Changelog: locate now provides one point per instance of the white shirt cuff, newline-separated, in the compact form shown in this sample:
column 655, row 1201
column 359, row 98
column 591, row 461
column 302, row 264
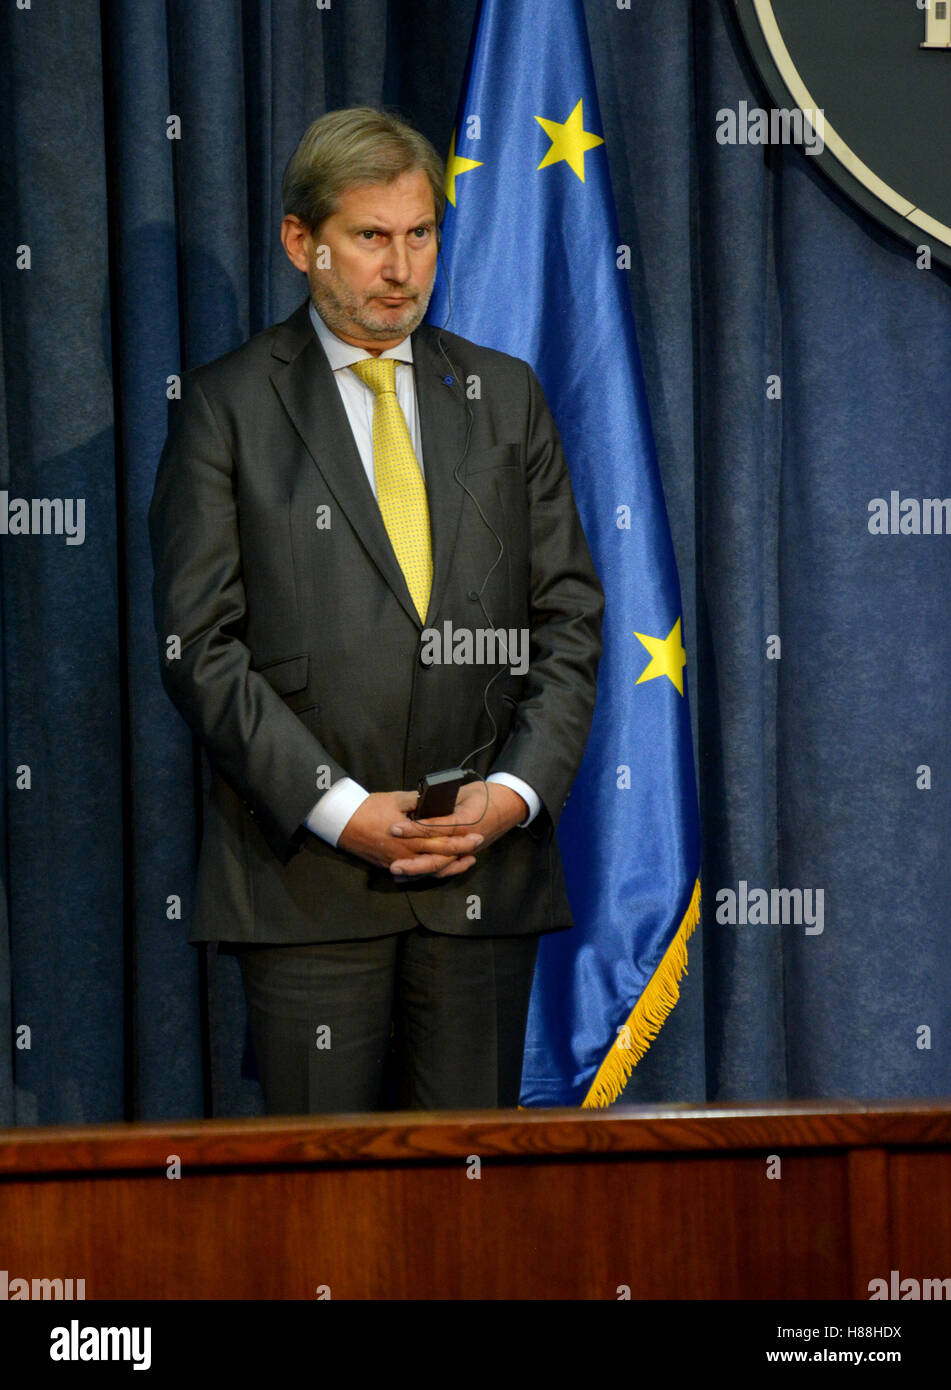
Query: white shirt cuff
column 532, row 799
column 334, row 809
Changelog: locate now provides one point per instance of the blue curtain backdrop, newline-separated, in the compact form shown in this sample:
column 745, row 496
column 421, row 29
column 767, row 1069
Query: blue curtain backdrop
column 127, row 257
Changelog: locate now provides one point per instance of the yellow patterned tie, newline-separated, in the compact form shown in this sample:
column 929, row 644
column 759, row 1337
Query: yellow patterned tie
column 400, row 489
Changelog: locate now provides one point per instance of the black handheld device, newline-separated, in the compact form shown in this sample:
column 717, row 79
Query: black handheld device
column 437, row 793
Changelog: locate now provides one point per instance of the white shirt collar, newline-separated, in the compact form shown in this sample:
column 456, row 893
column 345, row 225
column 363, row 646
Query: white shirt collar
column 341, row 354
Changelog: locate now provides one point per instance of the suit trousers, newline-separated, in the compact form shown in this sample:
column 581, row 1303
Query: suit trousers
column 417, row 1020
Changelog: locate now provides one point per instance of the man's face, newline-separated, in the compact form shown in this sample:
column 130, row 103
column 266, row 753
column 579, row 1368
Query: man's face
column 382, row 252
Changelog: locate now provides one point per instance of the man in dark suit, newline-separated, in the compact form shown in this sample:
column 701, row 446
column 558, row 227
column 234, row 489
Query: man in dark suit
column 350, row 510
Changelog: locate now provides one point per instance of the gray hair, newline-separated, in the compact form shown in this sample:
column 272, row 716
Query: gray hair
column 354, row 146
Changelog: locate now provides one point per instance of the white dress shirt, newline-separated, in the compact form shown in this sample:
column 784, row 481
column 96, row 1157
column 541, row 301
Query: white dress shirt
column 338, row 803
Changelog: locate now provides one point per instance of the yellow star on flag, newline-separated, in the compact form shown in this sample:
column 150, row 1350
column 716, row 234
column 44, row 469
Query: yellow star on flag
column 668, row 657
column 569, row 141
column 456, row 164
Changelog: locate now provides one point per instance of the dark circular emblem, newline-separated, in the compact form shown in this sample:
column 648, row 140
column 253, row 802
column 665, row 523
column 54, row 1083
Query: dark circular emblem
column 872, row 79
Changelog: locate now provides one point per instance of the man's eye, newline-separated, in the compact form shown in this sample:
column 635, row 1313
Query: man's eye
column 368, row 235
column 421, row 232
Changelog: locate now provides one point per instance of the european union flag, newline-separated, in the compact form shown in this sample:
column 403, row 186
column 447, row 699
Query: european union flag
column 531, row 245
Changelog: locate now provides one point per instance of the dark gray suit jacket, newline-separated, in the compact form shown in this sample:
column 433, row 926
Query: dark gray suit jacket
column 300, row 647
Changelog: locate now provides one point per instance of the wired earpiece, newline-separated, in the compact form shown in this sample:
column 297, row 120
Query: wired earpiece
column 454, row 378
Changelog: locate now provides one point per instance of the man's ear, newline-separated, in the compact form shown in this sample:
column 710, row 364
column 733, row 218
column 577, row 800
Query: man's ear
column 296, row 239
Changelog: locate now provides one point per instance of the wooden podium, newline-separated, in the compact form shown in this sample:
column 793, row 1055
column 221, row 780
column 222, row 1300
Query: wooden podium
column 780, row 1201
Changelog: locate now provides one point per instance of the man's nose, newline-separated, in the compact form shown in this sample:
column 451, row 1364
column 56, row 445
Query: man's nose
column 396, row 264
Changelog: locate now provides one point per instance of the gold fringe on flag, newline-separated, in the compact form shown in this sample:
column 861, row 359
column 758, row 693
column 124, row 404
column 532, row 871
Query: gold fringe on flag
column 647, row 1016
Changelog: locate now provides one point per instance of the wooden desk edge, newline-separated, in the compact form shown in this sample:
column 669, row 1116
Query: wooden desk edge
column 420, row 1136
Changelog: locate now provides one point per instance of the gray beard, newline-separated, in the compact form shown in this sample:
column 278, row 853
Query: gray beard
column 342, row 313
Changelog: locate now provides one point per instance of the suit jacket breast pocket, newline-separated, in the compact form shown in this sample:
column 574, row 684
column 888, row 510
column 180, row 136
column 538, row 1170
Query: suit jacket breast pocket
column 498, row 517
column 499, row 456
column 495, row 478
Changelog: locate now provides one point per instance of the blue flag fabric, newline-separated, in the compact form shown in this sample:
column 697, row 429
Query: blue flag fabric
column 536, row 269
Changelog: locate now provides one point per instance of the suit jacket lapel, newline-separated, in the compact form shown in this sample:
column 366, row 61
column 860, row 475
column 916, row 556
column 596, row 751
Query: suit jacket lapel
column 305, row 383
column 442, row 427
